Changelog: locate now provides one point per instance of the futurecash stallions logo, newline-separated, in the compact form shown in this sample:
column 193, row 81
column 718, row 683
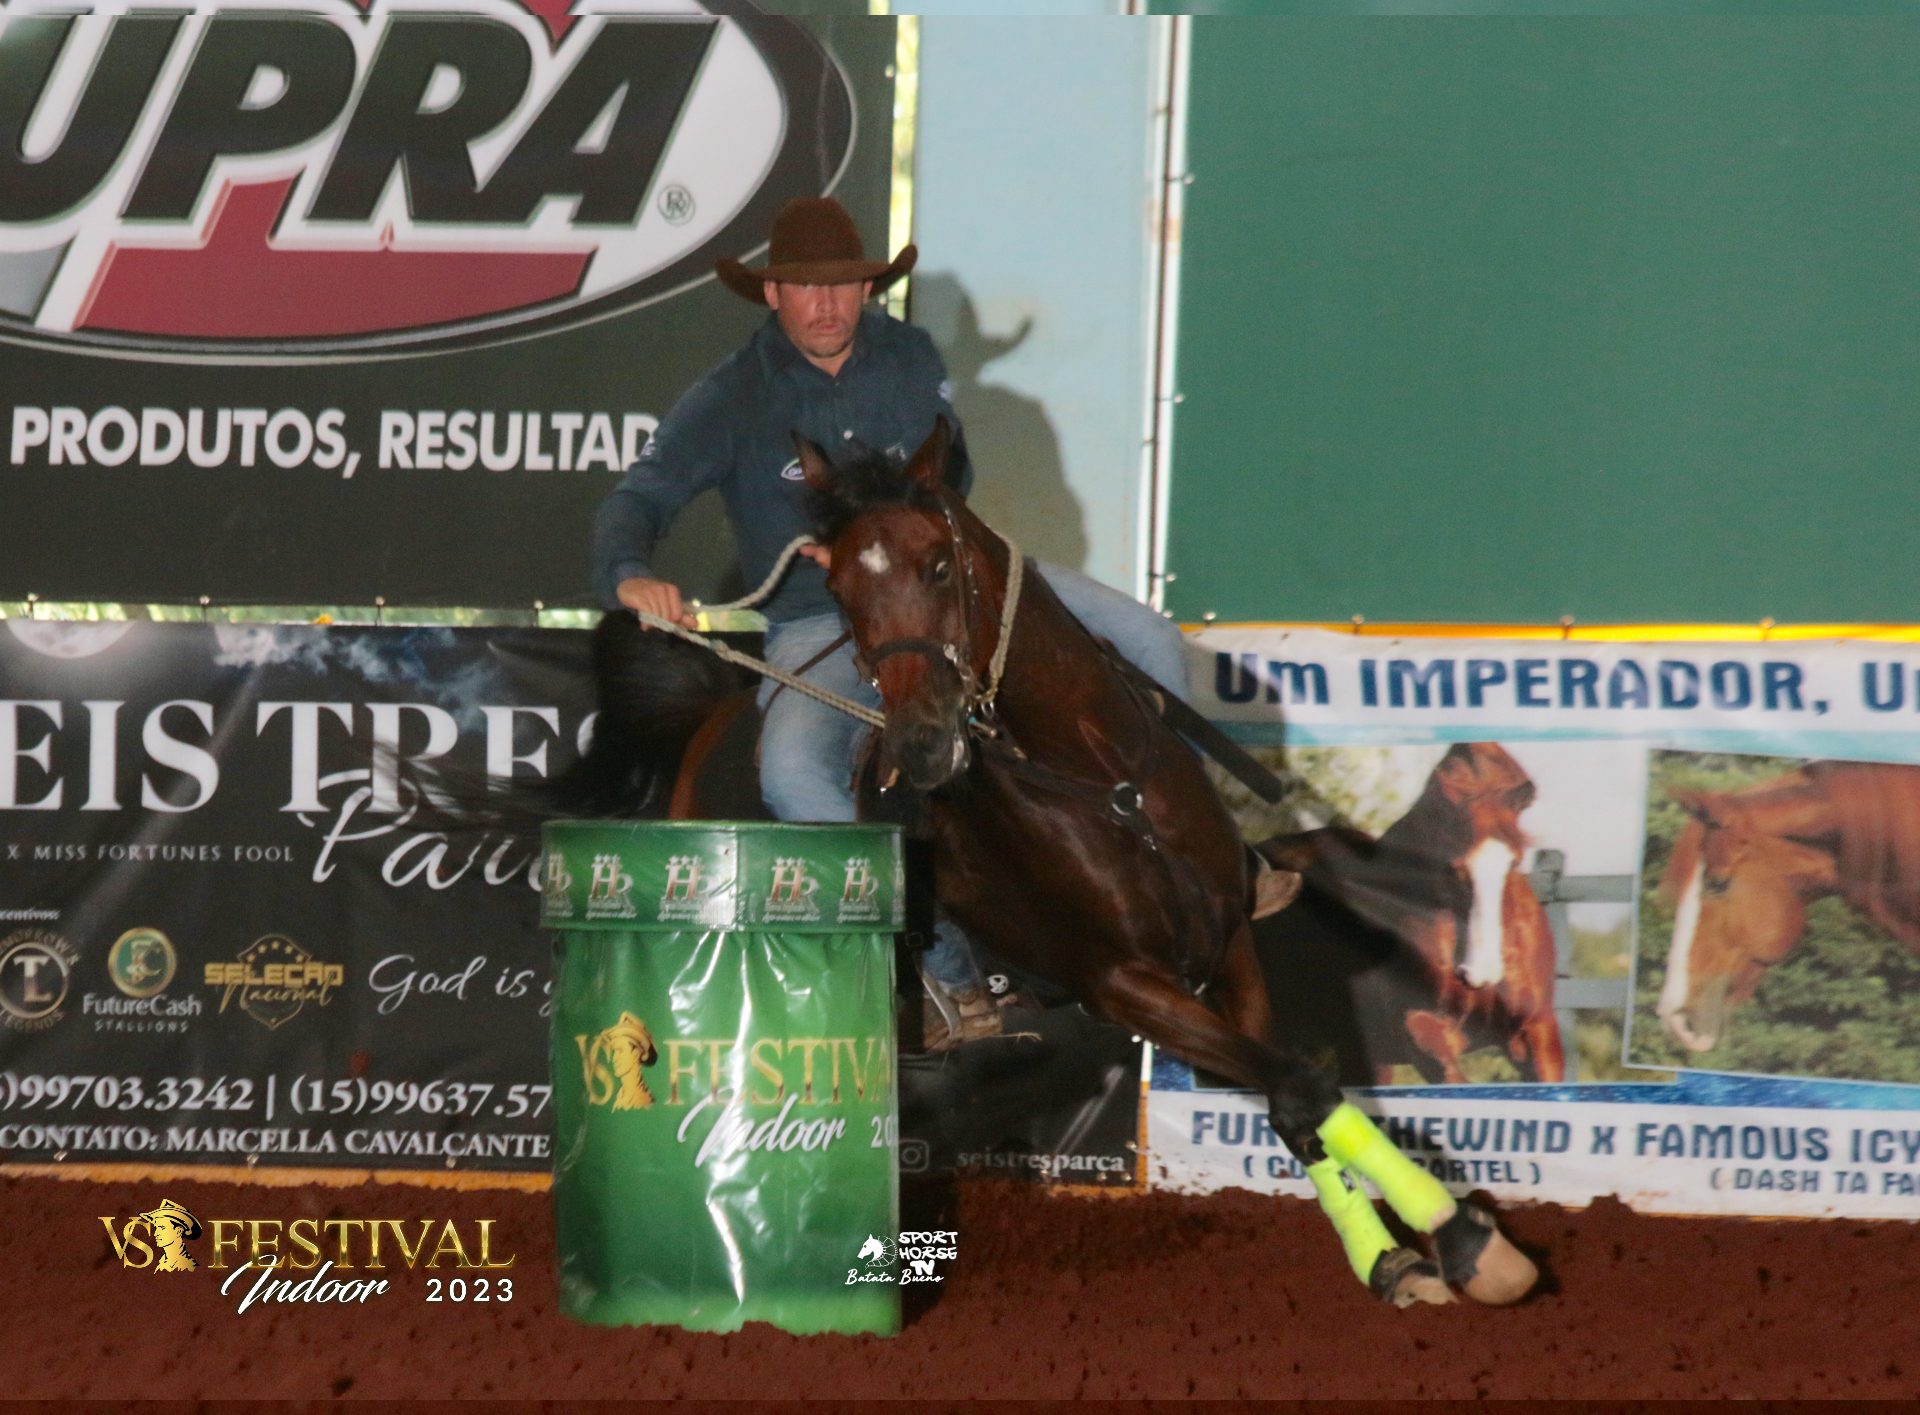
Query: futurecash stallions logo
column 300, row 180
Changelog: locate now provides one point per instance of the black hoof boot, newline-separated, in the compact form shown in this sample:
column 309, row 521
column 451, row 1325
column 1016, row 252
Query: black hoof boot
column 1477, row 1258
column 1403, row 1277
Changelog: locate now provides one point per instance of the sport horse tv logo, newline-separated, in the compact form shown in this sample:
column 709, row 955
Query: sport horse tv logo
column 296, row 180
column 915, row 1257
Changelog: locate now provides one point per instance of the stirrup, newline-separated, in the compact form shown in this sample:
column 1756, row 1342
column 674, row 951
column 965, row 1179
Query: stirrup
column 958, row 1017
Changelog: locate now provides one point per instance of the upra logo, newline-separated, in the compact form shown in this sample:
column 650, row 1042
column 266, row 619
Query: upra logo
column 301, row 180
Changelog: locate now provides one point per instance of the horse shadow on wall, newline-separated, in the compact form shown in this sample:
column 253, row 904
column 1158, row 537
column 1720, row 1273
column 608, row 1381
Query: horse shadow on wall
column 1020, row 484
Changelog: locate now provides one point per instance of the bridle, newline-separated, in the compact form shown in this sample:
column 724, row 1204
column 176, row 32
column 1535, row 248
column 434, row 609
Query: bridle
column 1121, row 802
column 978, row 691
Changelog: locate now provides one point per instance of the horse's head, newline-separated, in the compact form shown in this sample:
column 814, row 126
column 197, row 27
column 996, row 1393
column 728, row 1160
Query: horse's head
column 1739, row 885
column 910, row 572
column 1472, row 808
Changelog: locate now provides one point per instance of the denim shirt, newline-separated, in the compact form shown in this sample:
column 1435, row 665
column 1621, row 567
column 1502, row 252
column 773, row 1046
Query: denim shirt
column 734, row 430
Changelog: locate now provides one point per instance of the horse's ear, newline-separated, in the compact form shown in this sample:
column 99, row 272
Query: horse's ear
column 928, row 465
column 813, row 463
column 1698, row 804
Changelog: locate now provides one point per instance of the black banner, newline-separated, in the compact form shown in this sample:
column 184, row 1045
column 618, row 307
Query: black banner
column 229, row 935
column 220, row 937
column 313, row 308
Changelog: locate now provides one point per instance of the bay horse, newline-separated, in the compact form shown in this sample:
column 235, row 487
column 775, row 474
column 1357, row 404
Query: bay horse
column 1748, row 863
column 1474, row 955
column 1077, row 837
column 1075, row 834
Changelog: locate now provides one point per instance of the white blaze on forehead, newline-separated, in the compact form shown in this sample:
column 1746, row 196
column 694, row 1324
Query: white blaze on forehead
column 1488, row 866
column 874, row 557
column 1686, row 923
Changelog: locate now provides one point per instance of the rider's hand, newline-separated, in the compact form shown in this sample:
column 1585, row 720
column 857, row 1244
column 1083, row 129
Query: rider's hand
column 660, row 598
column 819, row 554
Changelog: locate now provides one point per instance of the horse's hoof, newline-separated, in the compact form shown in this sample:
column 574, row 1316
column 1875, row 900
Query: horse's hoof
column 1476, row 1257
column 1403, row 1277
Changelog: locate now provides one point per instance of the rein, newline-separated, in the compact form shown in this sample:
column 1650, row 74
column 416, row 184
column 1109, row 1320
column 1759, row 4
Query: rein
column 746, row 660
column 1120, row 802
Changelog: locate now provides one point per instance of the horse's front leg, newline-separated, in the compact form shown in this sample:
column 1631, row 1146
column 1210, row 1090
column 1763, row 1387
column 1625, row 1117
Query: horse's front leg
column 1330, row 1137
column 1537, row 1048
column 1443, row 1039
column 1300, row 1099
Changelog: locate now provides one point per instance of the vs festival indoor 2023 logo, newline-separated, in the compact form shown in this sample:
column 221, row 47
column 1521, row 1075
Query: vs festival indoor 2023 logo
column 333, row 1260
column 310, row 180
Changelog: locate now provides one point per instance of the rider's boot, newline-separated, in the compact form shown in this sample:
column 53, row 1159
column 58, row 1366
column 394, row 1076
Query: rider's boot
column 956, row 1015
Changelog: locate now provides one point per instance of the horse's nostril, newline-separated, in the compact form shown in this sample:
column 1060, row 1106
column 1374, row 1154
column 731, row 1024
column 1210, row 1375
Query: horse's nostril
column 927, row 739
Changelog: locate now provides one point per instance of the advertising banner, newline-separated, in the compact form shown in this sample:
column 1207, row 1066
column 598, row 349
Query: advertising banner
column 222, row 938
column 1586, row 917
column 229, row 934
column 308, row 302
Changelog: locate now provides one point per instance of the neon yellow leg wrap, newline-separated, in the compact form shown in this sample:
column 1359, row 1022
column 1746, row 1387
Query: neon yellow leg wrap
column 1361, row 1233
column 1357, row 1144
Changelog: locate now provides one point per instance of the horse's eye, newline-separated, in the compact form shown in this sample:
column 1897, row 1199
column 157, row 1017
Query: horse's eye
column 1716, row 884
column 940, row 571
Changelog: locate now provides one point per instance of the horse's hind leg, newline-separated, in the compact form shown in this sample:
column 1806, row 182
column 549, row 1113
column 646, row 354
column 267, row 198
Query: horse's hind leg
column 1299, row 1101
column 1240, row 992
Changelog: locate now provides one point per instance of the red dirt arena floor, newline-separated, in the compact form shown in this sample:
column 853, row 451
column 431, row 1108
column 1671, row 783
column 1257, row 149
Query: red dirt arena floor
column 1230, row 1295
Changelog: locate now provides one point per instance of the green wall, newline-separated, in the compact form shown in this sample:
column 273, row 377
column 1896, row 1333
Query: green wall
column 1504, row 319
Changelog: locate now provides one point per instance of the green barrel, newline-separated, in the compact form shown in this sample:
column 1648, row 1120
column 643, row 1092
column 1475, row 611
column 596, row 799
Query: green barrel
column 725, row 1113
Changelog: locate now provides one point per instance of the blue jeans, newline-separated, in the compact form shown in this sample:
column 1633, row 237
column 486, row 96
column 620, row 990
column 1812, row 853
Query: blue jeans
column 807, row 749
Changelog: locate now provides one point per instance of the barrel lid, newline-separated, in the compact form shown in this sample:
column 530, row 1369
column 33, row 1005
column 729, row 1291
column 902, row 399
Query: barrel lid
column 654, row 875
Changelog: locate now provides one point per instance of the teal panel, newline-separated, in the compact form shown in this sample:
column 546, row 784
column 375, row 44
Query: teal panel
column 1504, row 319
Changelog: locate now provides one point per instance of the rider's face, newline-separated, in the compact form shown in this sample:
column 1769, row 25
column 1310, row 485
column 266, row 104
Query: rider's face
column 819, row 319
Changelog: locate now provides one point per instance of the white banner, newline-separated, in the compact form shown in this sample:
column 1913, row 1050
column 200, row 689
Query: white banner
column 1681, row 1159
column 1585, row 918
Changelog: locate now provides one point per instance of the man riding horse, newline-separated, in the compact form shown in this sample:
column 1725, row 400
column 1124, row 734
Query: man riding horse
column 841, row 376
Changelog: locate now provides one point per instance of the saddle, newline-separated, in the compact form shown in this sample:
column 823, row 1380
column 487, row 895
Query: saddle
column 726, row 785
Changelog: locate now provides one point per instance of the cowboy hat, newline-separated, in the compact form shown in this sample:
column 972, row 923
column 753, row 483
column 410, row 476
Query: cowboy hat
column 169, row 1209
column 814, row 243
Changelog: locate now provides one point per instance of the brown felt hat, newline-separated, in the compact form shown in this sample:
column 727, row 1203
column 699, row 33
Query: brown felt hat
column 814, row 243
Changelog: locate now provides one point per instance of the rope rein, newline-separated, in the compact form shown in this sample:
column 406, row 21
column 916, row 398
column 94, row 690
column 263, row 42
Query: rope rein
column 754, row 598
column 1016, row 570
column 746, row 660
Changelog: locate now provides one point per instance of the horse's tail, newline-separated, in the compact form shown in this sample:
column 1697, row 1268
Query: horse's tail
column 655, row 691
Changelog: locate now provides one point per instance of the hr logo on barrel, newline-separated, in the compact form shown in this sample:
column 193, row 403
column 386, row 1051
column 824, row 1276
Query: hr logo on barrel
column 790, row 896
column 858, row 897
column 557, row 887
column 691, row 893
column 610, row 890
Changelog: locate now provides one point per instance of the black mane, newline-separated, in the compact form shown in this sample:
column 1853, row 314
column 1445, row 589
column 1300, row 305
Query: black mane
column 867, row 480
